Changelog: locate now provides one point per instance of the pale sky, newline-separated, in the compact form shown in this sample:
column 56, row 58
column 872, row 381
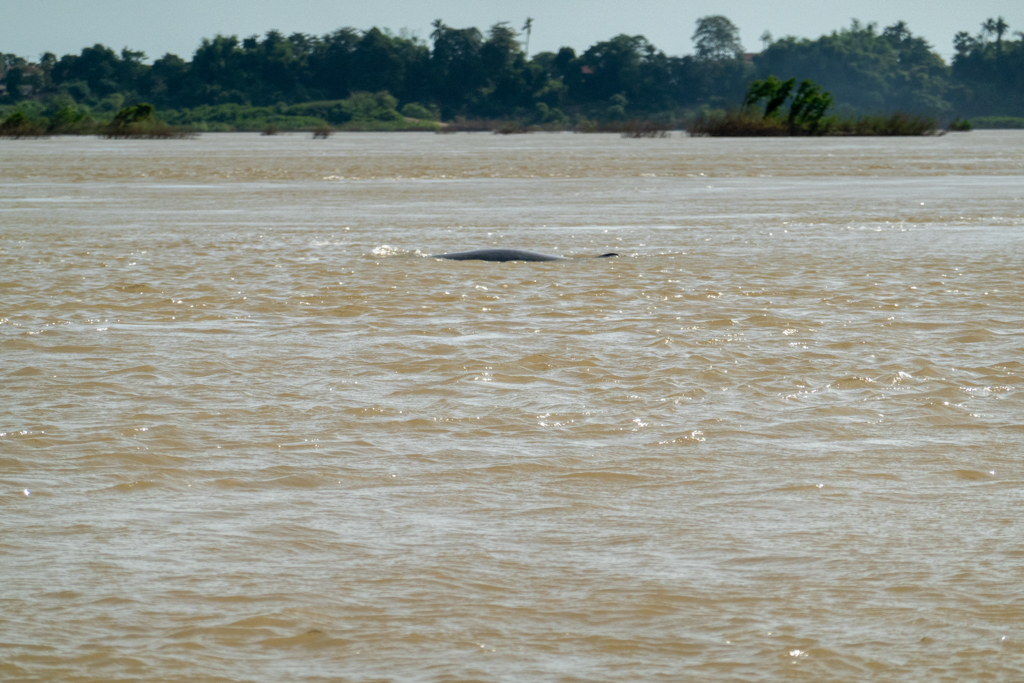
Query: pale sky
column 29, row 28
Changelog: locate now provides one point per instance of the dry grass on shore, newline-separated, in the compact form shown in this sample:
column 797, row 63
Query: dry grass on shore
column 739, row 123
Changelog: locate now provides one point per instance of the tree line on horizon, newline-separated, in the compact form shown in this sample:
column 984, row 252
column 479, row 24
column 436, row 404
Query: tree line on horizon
column 465, row 73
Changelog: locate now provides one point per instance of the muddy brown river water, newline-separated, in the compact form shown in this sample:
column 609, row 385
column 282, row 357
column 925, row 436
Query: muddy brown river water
column 251, row 431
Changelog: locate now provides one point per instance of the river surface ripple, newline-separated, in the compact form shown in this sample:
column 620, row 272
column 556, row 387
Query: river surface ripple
column 251, row 431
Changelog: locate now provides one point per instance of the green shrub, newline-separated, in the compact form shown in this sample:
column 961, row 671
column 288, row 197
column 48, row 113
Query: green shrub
column 365, row 107
column 139, row 121
column 70, row 119
column 111, row 103
column 22, row 125
column 415, row 110
column 333, row 111
column 140, row 113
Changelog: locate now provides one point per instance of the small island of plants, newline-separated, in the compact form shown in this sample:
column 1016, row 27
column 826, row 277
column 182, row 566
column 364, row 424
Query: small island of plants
column 359, row 112
column 806, row 115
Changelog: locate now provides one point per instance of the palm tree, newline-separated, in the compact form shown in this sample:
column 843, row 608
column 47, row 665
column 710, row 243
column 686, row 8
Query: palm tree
column 996, row 27
column 528, row 26
column 1001, row 28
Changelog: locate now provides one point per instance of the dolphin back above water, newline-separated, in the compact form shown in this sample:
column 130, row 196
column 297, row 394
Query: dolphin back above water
column 503, row 255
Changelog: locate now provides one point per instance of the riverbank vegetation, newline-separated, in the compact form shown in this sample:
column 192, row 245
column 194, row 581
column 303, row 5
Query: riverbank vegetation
column 361, row 112
column 1012, row 122
column 377, row 80
column 137, row 121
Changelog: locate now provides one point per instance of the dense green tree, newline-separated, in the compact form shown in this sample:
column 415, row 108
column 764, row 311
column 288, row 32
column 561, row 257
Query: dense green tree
column 988, row 77
column 612, row 67
column 717, row 38
column 457, row 71
column 97, row 66
column 166, row 79
column 716, row 74
column 629, row 66
column 275, row 68
column 218, row 74
column 8, row 61
column 417, row 85
column 330, row 63
column 130, row 71
column 920, row 78
column 508, row 82
column 551, row 69
column 864, row 69
column 377, row 63
column 12, row 82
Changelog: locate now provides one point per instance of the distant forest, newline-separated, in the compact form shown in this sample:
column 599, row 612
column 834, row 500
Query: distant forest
column 463, row 73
